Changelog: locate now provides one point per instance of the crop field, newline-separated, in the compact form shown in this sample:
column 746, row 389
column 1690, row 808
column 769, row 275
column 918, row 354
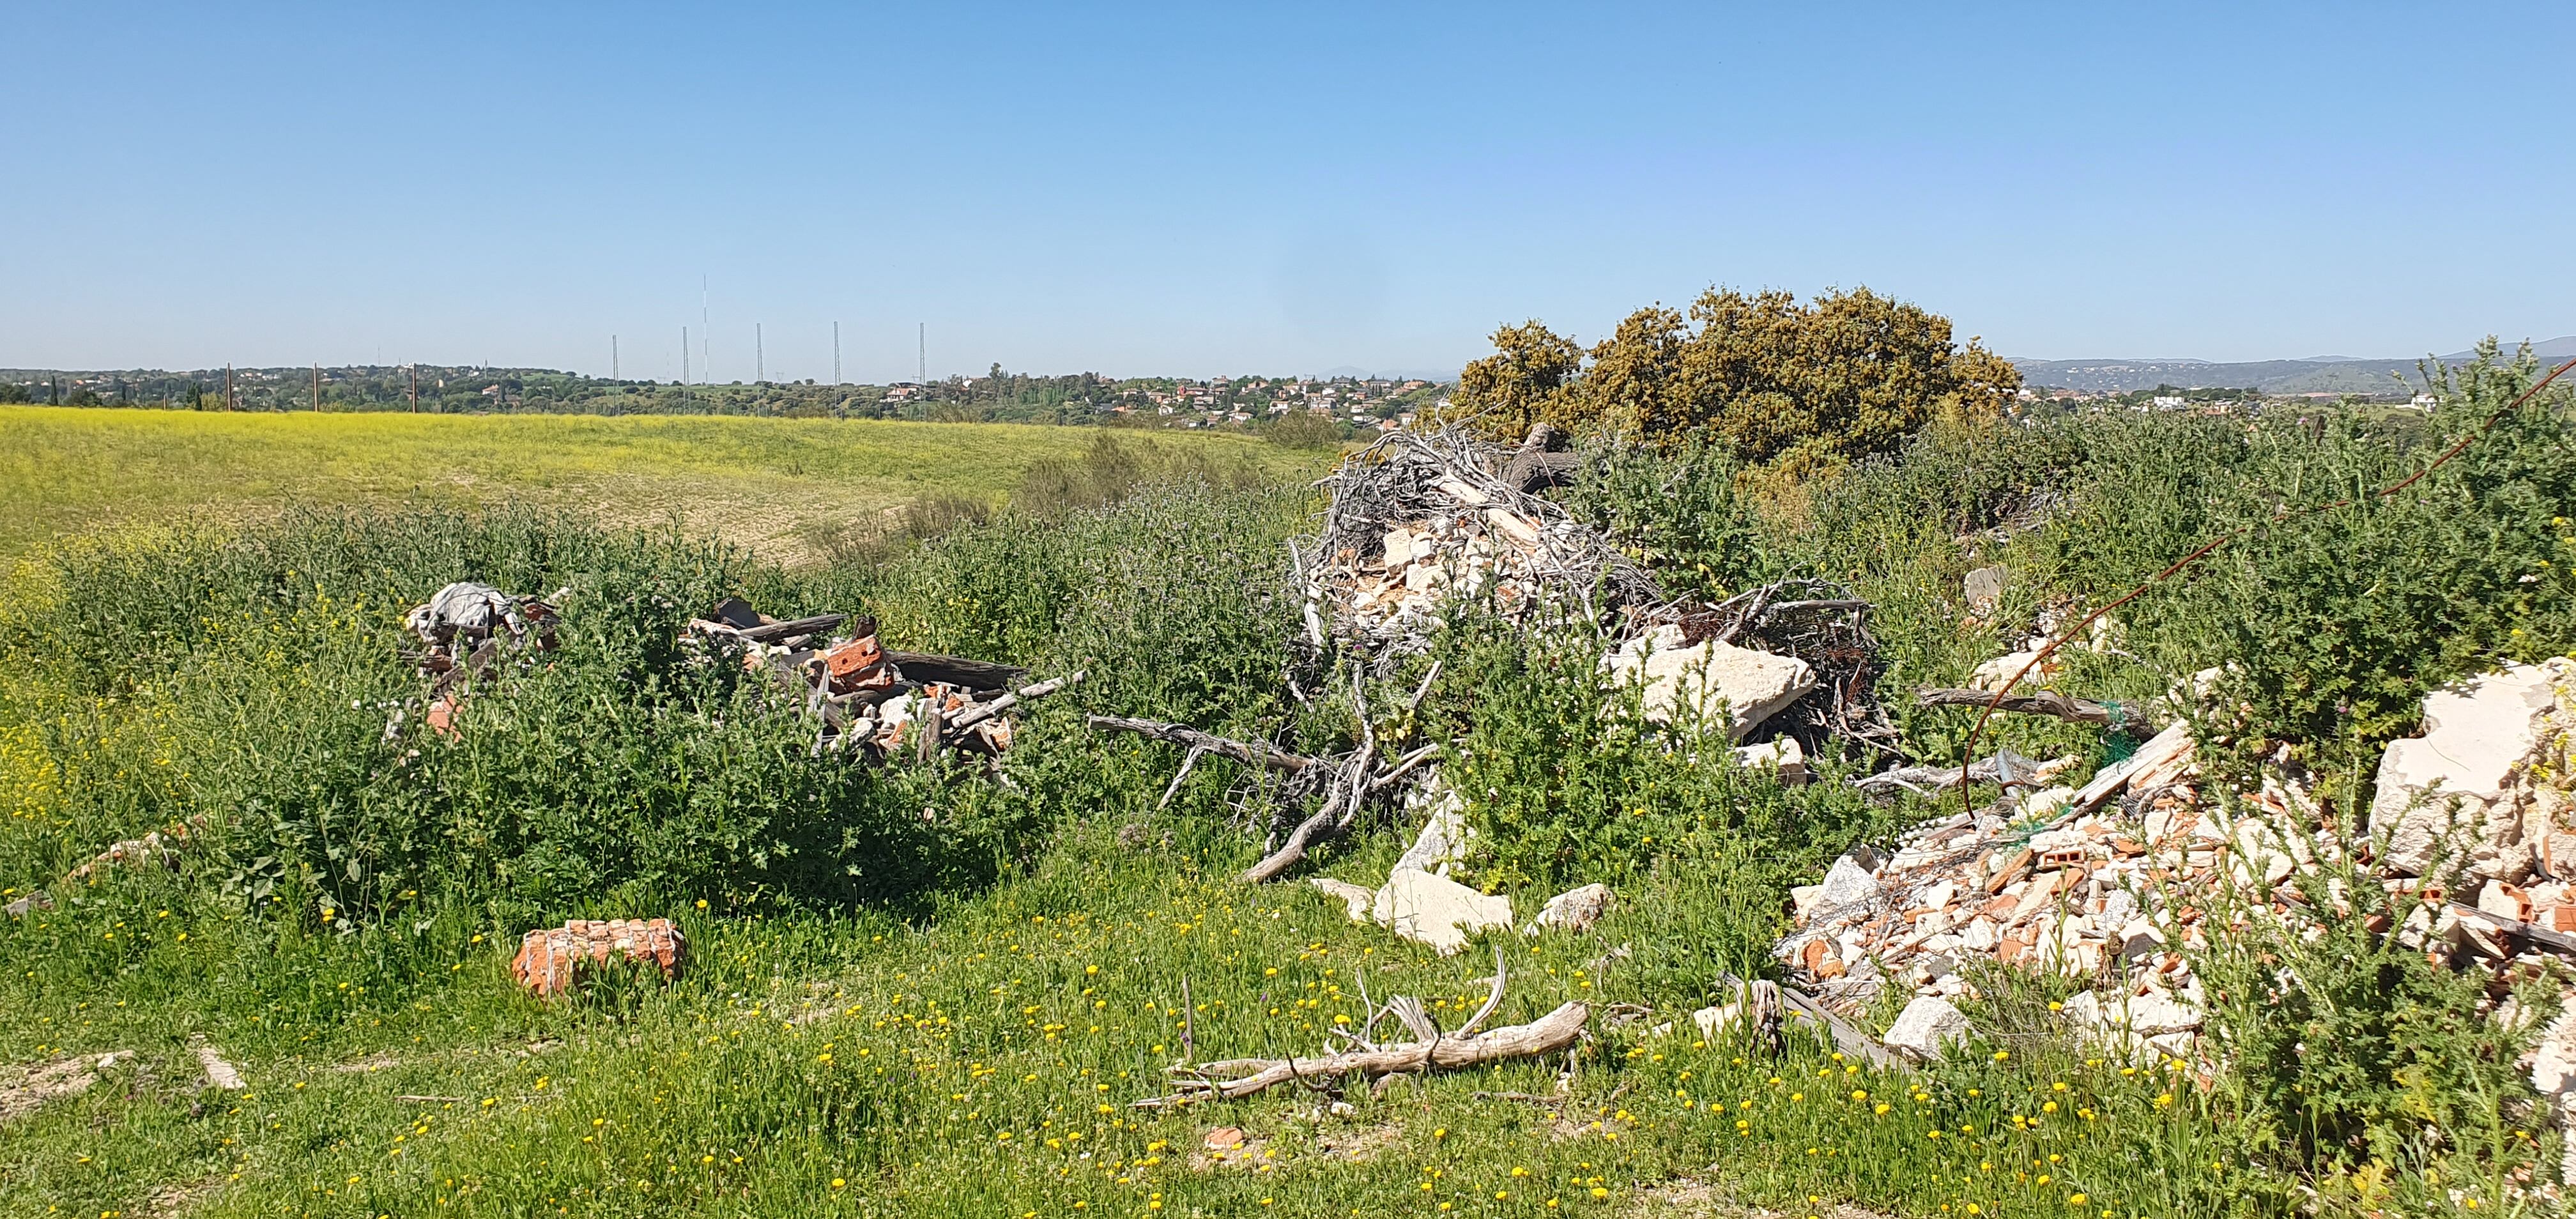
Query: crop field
column 942, row 987
column 773, row 485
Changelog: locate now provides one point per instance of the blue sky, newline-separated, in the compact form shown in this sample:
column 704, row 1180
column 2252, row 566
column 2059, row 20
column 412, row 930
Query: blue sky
column 1212, row 188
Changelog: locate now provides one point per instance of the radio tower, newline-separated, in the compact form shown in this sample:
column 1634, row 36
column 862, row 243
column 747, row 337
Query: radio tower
column 836, row 353
column 759, row 357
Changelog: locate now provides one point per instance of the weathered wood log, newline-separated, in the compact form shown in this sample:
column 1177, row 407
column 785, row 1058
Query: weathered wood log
column 1545, row 1035
column 774, row 631
column 1250, row 753
column 2042, row 702
column 958, row 671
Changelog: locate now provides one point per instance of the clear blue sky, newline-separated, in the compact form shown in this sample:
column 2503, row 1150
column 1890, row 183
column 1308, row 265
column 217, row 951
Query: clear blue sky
column 1209, row 188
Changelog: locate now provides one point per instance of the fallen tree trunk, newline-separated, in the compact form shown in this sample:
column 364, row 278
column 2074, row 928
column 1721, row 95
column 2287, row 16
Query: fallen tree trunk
column 1250, row 753
column 1545, row 1035
column 2044, row 702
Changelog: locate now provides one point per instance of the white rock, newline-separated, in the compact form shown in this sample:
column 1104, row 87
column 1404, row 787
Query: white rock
column 1358, row 898
column 1926, row 1026
column 1715, row 1020
column 1436, row 910
column 219, row 1073
column 1938, row 896
column 2085, row 1009
column 2476, row 734
column 2553, row 1061
column 1443, row 841
column 1994, row 673
column 1803, row 898
column 1572, row 910
column 1984, row 587
column 1846, row 883
column 1748, row 685
column 1783, row 756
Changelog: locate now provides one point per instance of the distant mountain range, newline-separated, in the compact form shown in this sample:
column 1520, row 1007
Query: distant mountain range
column 2313, row 375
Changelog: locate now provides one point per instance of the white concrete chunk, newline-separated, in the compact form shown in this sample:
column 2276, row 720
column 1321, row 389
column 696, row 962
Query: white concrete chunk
column 1926, row 1027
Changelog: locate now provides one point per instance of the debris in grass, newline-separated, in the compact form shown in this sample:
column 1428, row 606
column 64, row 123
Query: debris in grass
column 869, row 700
column 550, row 958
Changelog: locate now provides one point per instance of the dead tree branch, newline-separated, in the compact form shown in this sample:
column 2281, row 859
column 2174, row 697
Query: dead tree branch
column 1238, row 1078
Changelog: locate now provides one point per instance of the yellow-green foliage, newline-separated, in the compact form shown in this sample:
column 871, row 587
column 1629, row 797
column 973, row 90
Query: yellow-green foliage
column 770, row 484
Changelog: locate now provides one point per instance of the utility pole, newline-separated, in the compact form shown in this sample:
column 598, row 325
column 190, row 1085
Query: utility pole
column 759, row 357
column 228, row 387
column 923, row 337
column 317, row 387
column 836, row 353
column 415, row 389
column 612, row 357
column 684, row 355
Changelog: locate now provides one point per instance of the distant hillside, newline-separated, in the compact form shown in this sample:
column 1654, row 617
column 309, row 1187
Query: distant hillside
column 2324, row 374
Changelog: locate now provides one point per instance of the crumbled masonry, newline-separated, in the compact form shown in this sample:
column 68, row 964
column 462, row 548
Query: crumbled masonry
column 2111, row 881
column 869, row 701
column 551, row 959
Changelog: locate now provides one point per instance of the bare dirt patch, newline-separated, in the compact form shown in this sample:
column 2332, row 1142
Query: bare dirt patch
column 25, row 1089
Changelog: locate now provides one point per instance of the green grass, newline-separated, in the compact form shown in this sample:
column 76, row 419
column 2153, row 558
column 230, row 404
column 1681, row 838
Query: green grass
column 939, row 991
column 769, row 484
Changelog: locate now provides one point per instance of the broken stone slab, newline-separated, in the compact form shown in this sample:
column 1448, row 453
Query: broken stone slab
column 1847, row 883
column 1443, row 840
column 1784, row 757
column 1984, row 588
column 2477, row 734
column 219, row 1073
column 550, row 957
column 1572, row 910
column 1356, row 898
column 1436, row 910
column 1926, row 1027
column 1992, row 675
column 1712, row 677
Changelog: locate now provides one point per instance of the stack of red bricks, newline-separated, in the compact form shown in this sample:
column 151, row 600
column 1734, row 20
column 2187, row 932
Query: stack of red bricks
column 549, row 958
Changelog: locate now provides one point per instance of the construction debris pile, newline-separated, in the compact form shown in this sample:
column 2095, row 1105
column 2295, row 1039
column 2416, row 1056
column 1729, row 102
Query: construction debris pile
column 868, row 700
column 465, row 630
column 1419, row 517
column 2111, row 881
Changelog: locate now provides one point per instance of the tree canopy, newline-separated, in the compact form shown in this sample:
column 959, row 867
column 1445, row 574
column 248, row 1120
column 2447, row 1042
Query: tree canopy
column 1798, row 386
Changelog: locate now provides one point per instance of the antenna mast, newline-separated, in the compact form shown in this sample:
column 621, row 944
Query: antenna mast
column 759, row 357
column 836, row 354
column 924, row 338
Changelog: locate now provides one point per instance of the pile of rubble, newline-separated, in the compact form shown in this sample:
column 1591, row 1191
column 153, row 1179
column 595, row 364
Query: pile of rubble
column 2114, row 880
column 869, row 700
column 1422, row 516
column 466, row 629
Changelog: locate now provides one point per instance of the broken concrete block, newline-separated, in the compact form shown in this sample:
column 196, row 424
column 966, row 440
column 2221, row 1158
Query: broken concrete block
column 1783, row 756
column 1357, row 898
column 1749, row 686
column 2477, row 732
column 1984, row 588
column 1926, row 1027
column 1437, row 911
column 549, row 958
column 1846, row 884
column 1442, row 842
column 1572, row 910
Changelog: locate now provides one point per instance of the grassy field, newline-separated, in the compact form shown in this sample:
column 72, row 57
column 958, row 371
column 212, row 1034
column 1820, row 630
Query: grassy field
column 939, row 989
column 773, row 485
